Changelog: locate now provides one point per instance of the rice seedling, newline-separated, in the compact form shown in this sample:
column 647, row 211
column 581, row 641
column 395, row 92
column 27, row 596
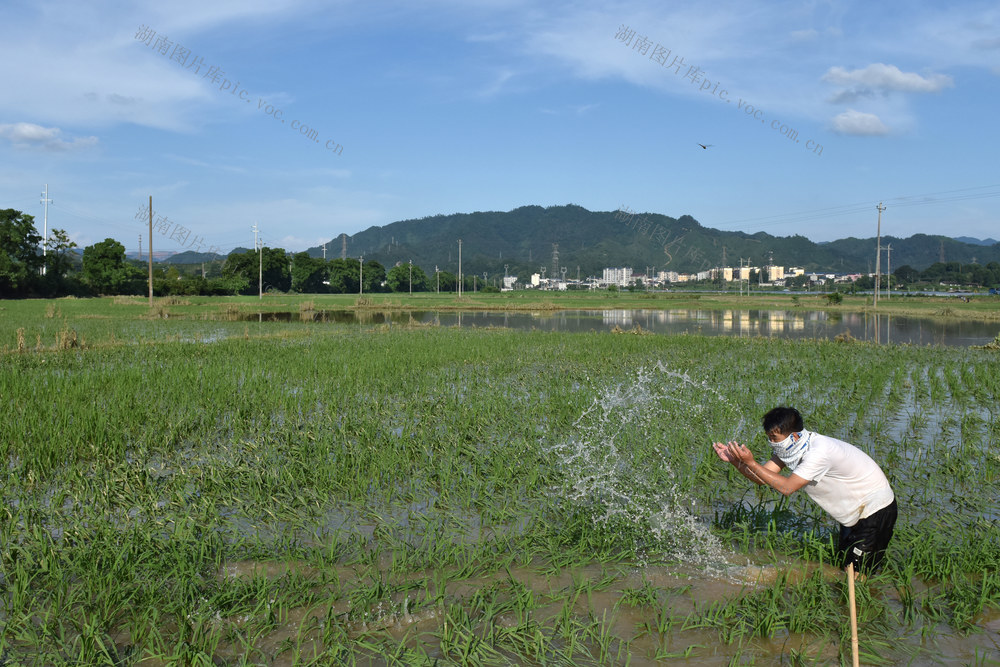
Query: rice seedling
column 210, row 490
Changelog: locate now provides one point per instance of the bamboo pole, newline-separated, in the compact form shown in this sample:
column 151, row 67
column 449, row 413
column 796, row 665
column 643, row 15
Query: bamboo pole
column 854, row 615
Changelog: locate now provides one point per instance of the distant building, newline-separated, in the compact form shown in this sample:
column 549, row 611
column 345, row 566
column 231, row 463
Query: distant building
column 621, row 277
column 668, row 276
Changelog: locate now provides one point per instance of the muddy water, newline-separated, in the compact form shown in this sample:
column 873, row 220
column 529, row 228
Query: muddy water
column 404, row 619
column 793, row 324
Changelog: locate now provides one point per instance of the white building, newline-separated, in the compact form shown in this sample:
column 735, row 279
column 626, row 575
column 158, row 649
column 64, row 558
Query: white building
column 621, row 277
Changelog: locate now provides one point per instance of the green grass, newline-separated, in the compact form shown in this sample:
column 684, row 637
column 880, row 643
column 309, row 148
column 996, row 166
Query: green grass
column 184, row 490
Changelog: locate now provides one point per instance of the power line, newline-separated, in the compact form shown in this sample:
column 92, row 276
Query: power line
column 960, row 194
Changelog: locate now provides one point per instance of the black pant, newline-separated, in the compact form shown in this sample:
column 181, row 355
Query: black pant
column 865, row 542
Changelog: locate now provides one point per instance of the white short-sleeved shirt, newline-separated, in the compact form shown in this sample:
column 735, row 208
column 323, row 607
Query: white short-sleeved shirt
column 843, row 480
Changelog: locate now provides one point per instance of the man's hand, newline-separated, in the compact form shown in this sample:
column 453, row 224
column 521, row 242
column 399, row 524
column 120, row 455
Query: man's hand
column 739, row 453
column 722, row 451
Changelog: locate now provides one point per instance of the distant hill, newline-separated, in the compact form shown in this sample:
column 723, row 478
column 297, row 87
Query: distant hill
column 192, row 257
column 158, row 255
column 588, row 241
column 974, row 241
column 172, row 257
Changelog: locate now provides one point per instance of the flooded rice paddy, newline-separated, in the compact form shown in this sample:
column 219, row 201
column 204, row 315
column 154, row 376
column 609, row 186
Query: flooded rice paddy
column 791, row 324
column 433, row 495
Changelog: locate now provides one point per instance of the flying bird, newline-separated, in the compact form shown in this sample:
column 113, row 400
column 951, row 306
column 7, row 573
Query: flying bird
column 704, row 146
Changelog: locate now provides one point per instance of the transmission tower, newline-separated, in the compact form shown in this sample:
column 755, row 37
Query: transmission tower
column 555, row 259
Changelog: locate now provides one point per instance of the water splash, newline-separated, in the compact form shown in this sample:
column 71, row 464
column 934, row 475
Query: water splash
column 623, row 479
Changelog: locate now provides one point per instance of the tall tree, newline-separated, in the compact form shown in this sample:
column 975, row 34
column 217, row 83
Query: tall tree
column 344, row 275
column 58, row 246
column 247, row 265
column 400, row 279
column 374, row 274
column 105, row 268
column 308, row 273
column 20, row 254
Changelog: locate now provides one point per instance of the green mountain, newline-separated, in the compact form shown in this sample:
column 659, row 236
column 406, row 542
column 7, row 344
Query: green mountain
column 588, row 241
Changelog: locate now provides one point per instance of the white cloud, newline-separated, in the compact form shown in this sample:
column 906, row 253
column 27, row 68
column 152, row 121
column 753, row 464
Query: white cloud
column 879, row 76
column 498, row 83
column 859, row 123
column 31, row 136
column 804, row 35
column 206, row 165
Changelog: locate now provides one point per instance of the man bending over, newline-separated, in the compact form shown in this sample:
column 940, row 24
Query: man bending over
column 838, row 476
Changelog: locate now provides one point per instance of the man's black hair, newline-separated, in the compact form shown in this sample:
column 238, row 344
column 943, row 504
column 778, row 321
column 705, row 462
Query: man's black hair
column 782, row 420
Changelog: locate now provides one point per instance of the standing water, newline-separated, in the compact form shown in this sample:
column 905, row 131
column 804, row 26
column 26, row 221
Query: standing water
column 620, row 463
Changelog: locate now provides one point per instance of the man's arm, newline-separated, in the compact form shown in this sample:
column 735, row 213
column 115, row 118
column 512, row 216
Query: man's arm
column 723, row 451
column 767, row 473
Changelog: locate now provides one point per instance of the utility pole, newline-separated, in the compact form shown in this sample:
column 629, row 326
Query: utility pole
column 878, row 252
column 460, row 268
column 150, row 251
column 411, row 277
column 361, row 275
column 45, row 235
column 140, row 247
column 437, row 278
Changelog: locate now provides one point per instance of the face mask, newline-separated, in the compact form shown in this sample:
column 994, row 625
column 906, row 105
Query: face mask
column 791, row 449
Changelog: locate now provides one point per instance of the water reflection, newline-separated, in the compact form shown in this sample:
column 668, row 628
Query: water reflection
column 794, row 324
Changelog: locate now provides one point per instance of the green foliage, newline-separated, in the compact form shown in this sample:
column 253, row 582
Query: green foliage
column 374, row 275
column 20, row 253
column 107, row 272
column 308, row 273
column 265, row 270
column 406, row 278
column 343, row 275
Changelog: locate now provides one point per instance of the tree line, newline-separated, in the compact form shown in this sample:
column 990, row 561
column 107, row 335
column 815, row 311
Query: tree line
column 31, row 266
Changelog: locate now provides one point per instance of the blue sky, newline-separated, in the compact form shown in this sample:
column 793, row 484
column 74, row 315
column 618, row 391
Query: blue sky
column 444, row 106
